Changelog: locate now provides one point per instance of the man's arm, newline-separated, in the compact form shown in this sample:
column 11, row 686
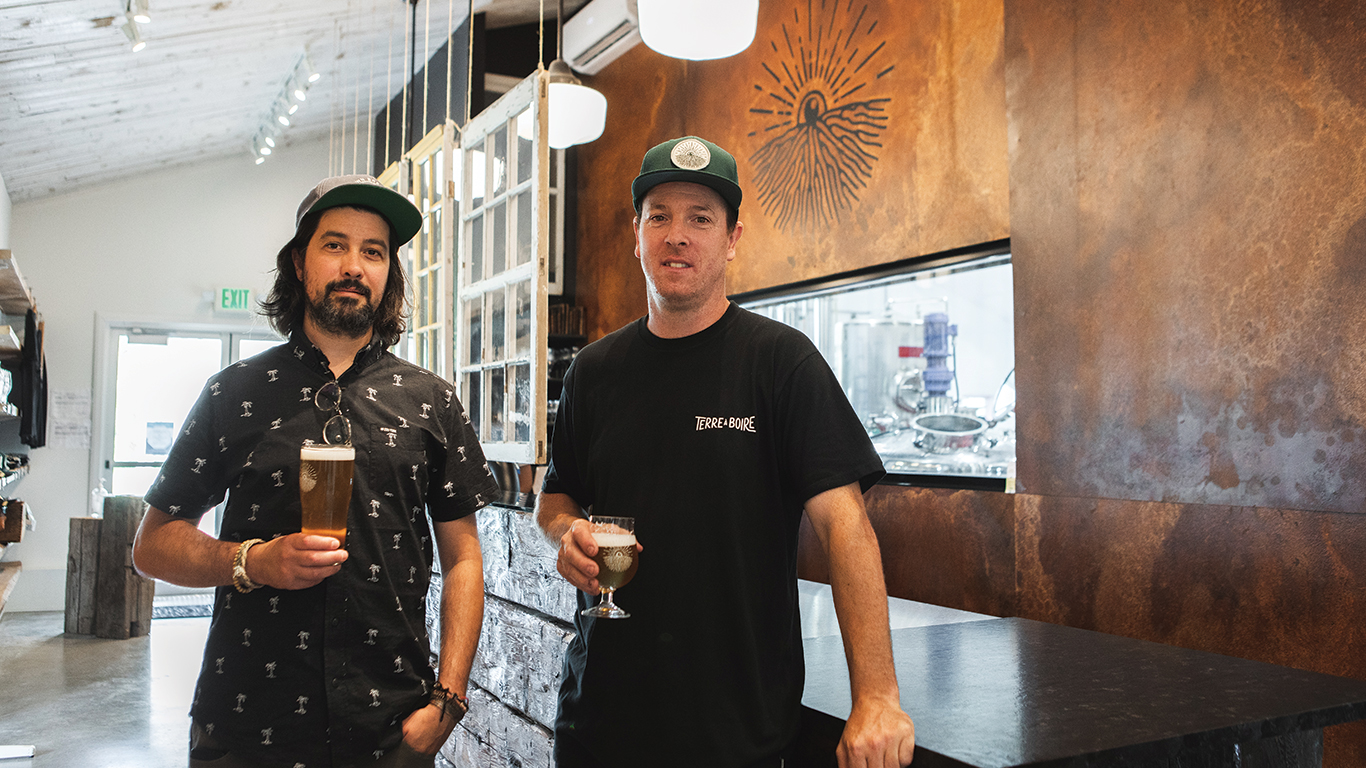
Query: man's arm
column 175, row 550
column 462, row 614
column 559, row 516
column 877, row 732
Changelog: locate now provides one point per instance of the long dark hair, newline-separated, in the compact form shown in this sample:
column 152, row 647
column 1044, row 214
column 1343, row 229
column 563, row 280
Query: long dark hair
column 285, row 305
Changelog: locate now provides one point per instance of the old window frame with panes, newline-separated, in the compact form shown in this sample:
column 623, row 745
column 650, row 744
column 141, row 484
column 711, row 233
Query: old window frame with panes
column 424, row 171
column 510, row 253
column 511, row 204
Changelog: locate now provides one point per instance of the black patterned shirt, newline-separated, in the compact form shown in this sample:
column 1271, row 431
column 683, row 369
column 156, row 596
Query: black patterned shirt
column 323, row 676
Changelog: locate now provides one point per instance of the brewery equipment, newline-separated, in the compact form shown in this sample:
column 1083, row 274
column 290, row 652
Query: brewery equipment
column 901, row 379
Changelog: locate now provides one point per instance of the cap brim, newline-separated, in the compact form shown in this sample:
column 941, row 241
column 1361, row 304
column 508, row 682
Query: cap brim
column 401, row 214
column 728, row 191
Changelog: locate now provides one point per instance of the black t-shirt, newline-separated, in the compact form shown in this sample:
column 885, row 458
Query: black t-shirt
column 324, row 675
column 713, row 443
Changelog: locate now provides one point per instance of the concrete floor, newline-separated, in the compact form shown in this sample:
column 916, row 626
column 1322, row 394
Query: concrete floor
column 93, row 703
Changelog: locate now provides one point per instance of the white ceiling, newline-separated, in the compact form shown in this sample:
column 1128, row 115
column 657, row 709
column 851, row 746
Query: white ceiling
column 78, row 106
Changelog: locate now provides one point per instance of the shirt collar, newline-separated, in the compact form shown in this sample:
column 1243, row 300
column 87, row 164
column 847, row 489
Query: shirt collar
column 307, row 353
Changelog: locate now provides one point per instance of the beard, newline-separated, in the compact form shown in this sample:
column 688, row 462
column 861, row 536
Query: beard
column 342, row 315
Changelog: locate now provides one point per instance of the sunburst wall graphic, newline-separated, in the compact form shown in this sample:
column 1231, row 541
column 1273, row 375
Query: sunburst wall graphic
column 821, row 118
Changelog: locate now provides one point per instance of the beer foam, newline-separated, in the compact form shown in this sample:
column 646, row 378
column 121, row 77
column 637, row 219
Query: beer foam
column 327, row 453
column 614, row 539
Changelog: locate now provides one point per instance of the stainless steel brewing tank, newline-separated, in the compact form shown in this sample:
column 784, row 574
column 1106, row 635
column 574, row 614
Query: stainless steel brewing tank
column 870, row 358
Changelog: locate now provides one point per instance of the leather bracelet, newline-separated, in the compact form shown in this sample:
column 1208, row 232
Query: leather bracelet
column 444, row 696
column 240, row 580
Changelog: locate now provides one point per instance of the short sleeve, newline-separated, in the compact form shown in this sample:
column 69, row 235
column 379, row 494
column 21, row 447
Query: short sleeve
column 563, row 475
column 825, row 445
column 192, row 479
column 461, row 482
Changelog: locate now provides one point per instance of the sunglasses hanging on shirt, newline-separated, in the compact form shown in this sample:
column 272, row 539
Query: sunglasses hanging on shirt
column 337, row 430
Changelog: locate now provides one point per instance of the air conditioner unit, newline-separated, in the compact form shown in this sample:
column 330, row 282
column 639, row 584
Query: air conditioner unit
column 601, row 31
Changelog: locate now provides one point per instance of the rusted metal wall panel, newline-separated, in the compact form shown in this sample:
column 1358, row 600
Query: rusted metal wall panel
column 643, row 91
column 864, row 133
column 951, row 548
column 1275, row 585
column 1189, row 229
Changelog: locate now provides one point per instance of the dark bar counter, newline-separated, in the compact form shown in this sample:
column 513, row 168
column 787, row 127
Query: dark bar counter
column 994, row 693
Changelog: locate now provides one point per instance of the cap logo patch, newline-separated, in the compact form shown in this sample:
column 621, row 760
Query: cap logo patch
column 690, row 155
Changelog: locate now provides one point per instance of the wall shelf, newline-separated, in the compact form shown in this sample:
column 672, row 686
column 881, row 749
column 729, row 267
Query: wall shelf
column 15, row 297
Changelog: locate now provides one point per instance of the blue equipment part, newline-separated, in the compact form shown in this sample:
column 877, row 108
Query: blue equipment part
column 938, row 377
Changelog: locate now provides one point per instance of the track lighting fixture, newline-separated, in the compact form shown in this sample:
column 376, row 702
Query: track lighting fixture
column 290, row 98
column 139, row 11
column 130, row 28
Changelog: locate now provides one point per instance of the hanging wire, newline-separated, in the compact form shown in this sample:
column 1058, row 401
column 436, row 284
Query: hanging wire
column 333, row 154
column 469, row 73
column 355, row 127
column 540, row 38
column 341, row 86
column 409, row 44
column 426, row 69
column 389, row 83
column 370, row 116
column 450, row 53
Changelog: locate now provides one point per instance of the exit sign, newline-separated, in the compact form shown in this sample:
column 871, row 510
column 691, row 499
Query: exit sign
column 234, row 300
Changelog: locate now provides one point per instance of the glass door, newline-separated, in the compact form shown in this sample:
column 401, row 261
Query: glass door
column 156, row 374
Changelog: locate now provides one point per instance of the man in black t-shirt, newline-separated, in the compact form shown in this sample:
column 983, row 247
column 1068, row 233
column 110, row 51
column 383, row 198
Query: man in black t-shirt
column 318, row 654
column 715, row 429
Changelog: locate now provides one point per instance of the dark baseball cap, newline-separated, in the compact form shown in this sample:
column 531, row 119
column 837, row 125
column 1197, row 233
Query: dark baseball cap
column 688, row 159
column 338, row 191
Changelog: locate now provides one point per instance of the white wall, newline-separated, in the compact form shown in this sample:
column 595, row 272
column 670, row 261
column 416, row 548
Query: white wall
column 142, row 249
column 4, row 214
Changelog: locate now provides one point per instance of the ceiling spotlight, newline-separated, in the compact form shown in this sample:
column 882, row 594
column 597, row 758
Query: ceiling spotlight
column 287, row 101
column 139, row 12
column 260, row 160
column 130, row 28
column 306, row 71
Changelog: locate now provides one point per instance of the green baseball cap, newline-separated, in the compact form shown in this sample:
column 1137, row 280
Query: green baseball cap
column 338, row 191
column 688, row 159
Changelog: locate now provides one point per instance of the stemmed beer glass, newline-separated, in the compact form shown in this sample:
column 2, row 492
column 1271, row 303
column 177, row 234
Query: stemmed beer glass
column 616, row 560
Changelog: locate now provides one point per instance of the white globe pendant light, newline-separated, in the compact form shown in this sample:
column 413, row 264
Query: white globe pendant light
column 577, row 113
column 698, row 29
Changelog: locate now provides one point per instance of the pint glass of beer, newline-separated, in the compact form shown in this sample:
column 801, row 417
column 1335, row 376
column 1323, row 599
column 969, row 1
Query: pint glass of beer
column 325, row 488
column 616, row 560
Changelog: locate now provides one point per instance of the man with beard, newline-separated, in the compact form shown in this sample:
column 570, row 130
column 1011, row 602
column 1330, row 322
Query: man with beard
column 318, row 654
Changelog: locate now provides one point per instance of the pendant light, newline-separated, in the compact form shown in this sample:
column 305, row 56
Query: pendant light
column 701, row 29
column 577, row 113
